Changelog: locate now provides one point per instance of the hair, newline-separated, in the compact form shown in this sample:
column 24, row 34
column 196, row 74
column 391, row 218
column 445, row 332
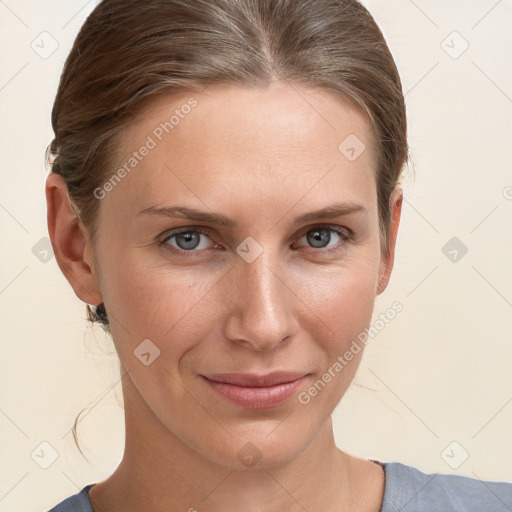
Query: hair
column 129, row 51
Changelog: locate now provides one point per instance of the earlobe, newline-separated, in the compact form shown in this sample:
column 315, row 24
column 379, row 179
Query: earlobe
column 387, row 260
column 70, row 246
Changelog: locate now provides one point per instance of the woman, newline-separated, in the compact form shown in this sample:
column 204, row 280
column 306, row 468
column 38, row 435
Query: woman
column 225, row 190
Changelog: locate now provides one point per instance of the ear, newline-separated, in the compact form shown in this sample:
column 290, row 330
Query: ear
column 387, row 259
column 70, row 242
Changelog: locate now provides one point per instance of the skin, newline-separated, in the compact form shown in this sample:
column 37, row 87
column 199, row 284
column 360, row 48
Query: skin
column 262, row 157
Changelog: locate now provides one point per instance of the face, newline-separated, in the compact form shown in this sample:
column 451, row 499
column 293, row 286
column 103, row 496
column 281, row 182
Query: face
column 244, row 279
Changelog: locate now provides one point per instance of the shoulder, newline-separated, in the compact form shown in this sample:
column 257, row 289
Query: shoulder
column 409, row 489
column 77, row 503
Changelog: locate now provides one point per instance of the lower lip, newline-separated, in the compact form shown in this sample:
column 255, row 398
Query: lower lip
column 256, row 397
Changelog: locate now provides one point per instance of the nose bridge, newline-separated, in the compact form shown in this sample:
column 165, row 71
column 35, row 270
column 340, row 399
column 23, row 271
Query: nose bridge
column 263, row 311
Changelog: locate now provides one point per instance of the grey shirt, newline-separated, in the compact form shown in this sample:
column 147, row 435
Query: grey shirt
column 407, row 489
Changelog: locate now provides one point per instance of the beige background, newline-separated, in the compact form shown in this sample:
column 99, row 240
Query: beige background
column 435, row 385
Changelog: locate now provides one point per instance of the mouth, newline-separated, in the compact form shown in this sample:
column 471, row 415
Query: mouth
column 252, row 391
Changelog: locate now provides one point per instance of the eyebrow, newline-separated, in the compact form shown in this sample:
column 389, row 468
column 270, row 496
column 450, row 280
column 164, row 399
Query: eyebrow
column 183, row 212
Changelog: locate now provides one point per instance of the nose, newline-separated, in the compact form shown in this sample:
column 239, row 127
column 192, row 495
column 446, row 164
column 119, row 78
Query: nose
column 261, row 312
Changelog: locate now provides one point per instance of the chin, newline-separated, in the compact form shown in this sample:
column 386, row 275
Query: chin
column 255, row 449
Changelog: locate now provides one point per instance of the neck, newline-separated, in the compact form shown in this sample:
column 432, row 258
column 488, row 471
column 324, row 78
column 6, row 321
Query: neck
column 161, row 473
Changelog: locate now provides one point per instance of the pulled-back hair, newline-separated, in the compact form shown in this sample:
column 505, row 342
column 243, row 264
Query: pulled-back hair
column 128, row 51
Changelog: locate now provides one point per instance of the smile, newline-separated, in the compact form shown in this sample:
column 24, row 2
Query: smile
column 251, row 391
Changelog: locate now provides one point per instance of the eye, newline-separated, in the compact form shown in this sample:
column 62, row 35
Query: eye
column 186, row 241
column 320, row 236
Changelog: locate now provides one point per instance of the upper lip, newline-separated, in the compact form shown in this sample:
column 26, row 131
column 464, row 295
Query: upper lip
column 255, row 380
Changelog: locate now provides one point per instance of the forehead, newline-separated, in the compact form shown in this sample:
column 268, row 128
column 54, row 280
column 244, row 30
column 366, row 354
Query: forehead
column 280, row 139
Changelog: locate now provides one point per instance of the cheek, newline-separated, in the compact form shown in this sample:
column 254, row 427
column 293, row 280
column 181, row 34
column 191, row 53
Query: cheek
column 156, row 303
column 344, row 298
column 342, row 307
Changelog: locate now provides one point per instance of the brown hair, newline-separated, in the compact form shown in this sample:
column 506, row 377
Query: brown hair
column 128, row 51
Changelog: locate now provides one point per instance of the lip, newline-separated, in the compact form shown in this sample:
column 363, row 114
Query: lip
column 252, row 391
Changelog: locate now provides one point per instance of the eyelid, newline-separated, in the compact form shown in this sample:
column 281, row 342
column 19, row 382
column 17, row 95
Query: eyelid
column 162, row 239
column 346, row 234
column 343, row 230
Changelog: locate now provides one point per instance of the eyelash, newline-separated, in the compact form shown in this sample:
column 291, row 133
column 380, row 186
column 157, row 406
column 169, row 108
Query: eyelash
column 345, row 234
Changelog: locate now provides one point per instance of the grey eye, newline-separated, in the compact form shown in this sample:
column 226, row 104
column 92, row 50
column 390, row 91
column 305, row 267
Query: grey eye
column 319, row 237
column 188, row 240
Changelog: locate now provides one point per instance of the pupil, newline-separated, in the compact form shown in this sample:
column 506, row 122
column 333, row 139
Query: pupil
column 320, row 237
column 191, row 240
column 317, row 238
